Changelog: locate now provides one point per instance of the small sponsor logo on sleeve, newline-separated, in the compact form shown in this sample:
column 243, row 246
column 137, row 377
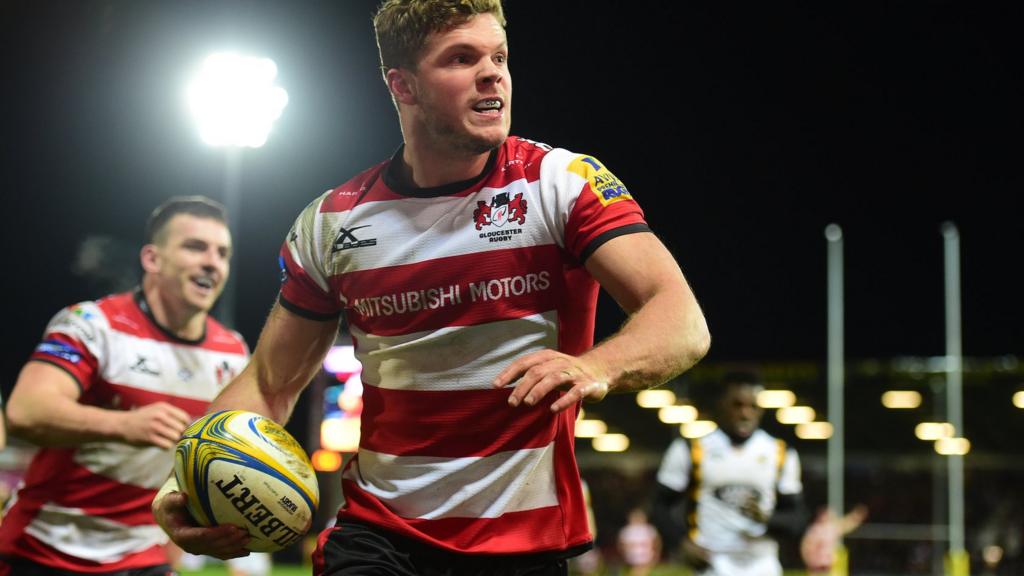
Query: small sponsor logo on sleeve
column 605, row 185
column 61, row 350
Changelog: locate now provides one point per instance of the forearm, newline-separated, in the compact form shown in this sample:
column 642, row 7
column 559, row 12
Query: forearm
column 60, row 422
column 288, row 355
column 661, row 340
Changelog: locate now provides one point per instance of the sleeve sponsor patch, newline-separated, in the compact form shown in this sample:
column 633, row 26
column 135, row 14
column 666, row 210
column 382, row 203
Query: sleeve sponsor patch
column 61, row 350
column 605, row 185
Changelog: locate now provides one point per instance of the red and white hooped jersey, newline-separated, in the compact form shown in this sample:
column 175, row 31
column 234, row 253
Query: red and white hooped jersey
column 442, row 288
column 87, row 508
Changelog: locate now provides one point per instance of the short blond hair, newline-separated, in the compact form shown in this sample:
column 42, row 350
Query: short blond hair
column 402, row 26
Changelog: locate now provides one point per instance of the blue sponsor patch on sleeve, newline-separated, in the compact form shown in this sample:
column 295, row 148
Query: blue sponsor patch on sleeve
column 284, row 269
column 60, row 350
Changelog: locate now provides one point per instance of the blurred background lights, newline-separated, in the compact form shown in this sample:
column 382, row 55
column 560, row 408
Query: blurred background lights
column 234, row 100
column 1018, row 399
column 655, row 398
column 775, row 398
column 901, row 399
column 814, row 430
column 933, row 430
column 326, row 461
column 342, row 360
column 952, row 446
column 795, row 414
column 339, row 434
column 590, row 428
column 611, row 443
column 677, row 414
column 697, row 428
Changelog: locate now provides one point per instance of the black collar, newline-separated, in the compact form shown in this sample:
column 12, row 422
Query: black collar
column 140, row 301
column 393, row 178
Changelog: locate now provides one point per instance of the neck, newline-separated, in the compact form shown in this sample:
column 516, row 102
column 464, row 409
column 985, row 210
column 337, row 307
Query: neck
column 427, row 165
column 182, row 321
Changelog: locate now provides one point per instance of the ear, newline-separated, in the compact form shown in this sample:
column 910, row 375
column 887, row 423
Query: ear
column 149, row 256
column 402, row 85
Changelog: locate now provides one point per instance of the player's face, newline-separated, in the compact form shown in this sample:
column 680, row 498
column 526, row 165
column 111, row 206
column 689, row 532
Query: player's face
column 463, row 88
column 193, row 261
column 739, row 414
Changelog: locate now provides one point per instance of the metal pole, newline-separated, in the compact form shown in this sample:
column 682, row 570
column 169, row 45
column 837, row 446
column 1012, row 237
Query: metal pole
column 954, row 396
column 836, row 371
column 233, row 205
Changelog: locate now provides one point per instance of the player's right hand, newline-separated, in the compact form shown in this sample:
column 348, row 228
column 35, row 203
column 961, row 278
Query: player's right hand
column 157, row 424
column 224, row 541
column 694, row 555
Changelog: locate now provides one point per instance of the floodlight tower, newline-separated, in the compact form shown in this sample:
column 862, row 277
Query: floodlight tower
column 235, row 102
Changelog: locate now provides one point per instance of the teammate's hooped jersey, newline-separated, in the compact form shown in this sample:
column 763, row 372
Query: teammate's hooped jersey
column 724, row 477
column 87, row 508
column 442, row 288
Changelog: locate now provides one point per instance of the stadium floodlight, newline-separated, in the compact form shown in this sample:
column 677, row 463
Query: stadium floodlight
column 952, row 446
column 901, row 399
column 697, row 428
column 611, row 443
column 796, row 415
column 814, row 431
column 655, row 398
column 590, row 428
column 934, row 430
column 235, row 101
column 1018, row 399
column 775, row 398
column 677, row 414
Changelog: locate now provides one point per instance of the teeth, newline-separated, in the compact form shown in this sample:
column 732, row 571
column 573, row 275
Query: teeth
column 489, row 105
column 204, row 282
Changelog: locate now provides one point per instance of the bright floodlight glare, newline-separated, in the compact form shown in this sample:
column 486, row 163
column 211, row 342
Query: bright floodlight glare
column 697, row 428
column 934, row 430
column 677, row 414
column 611, row 443
column 235, row 101
column 795, row 414
column 952, row 446
column 901, row 399
column 1018, row 399
column 590, row 428
column 775, row 398
column 655, row 398
column 814, row 430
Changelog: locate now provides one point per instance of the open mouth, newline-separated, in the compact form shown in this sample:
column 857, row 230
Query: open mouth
column 489, row 106
column 204, row 283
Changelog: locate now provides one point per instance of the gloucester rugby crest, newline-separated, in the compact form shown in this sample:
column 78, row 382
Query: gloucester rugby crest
column 502, row 209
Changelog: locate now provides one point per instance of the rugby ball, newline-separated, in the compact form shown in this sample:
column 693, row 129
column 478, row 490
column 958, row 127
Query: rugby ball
column 241, row 468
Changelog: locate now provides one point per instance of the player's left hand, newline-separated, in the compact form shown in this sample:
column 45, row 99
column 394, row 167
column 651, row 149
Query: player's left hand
column 541, row 372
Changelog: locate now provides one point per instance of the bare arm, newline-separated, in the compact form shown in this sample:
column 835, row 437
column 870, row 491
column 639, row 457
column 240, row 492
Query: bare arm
column 289, row 353
column 44, row 409
column 665, row 335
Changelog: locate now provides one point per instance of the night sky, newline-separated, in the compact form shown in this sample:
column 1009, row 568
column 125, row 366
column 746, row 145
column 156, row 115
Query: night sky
column 742, row 131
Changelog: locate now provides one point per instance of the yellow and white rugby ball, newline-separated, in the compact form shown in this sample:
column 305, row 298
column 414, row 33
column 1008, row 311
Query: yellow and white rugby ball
column 242, row 468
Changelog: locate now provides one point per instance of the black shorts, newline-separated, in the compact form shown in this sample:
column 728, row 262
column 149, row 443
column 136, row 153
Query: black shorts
column 25, row 567
column 354, row 549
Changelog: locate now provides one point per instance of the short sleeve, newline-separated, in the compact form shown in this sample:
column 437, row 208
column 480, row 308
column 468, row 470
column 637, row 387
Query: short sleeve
column 674, row 472
column 305, row 289
column 76, row 342
column 594, row 205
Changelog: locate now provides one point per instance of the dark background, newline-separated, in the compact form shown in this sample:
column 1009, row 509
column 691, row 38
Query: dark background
column 743, row 130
